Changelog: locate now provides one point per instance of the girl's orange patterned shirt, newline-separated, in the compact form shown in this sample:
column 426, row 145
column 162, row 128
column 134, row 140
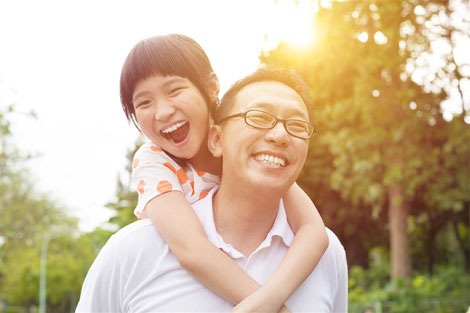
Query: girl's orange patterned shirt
column 155, row 172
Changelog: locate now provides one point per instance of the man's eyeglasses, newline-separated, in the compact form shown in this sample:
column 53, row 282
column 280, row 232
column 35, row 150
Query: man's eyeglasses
column 265, row 120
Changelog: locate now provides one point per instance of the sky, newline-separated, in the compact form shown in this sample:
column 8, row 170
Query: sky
column 62, row 59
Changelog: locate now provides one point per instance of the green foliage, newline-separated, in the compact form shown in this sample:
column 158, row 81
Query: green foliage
column 124, row 205
column 375, row 276
column 378, row 128
column 27, row 217
column 445, row 292
column 96, row 239
column 126, row 199
column 68, row 260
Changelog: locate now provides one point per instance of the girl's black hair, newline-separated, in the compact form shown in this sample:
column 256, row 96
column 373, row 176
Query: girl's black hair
column 173, row 54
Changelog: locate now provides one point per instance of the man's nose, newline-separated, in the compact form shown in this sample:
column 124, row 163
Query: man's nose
column 164, row 110
column 278, row 134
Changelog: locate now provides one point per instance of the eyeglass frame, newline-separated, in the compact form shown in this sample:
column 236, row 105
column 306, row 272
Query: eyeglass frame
column 277, row 120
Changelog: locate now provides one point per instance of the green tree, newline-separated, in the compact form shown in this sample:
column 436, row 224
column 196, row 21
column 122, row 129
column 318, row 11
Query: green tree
column 27, row 218
column 126, row 198
column 68, row 260
column 380, row 131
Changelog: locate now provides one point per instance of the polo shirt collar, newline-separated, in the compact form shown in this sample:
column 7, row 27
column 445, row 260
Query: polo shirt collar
column 204, row 210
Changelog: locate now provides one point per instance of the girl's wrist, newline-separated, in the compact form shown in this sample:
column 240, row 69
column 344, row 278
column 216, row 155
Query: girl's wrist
column 282, row 291
column 272, row 296
column 284, row 309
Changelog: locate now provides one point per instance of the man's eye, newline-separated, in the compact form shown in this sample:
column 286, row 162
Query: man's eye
column 298, row 126
column 260, row 118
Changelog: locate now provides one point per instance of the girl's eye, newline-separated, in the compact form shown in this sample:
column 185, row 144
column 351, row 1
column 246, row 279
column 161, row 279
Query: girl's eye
column 174, row 91
column 142, row 103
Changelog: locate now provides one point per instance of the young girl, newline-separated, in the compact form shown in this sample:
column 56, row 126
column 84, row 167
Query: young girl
column 169, row 90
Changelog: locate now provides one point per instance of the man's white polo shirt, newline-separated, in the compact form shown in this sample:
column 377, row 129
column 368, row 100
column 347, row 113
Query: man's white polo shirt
column 136, row 272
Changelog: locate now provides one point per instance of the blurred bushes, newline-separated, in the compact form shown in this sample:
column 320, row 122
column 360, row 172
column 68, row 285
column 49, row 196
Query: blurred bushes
column 447, row 291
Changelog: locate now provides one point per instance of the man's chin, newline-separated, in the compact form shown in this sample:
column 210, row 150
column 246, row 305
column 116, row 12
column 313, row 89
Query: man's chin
column 272, row 184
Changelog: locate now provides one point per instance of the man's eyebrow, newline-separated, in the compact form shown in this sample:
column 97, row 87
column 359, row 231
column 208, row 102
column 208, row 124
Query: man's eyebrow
column 266, row 105
column 170, row 81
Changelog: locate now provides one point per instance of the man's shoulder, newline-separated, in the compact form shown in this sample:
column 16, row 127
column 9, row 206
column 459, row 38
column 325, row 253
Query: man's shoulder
column 135, row 235
column 335, row 249
column 334, row 240
column 144, row 233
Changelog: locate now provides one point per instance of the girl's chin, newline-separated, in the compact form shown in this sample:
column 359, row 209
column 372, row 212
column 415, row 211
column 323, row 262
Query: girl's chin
column 180, row 149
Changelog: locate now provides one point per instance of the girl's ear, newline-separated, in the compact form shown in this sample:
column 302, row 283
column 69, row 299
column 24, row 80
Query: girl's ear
column 214, row 86
column 214, row 141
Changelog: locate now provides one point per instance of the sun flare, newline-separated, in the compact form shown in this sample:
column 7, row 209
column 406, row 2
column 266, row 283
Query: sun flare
column 293, row 23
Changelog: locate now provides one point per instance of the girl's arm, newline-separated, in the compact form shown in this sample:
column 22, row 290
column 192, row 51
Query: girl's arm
column 180, row 227
column 310, row 242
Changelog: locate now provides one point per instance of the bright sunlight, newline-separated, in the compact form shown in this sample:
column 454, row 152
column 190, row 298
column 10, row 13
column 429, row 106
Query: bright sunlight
column 292, row 23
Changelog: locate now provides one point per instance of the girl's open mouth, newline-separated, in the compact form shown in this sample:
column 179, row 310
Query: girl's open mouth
column 176, row 133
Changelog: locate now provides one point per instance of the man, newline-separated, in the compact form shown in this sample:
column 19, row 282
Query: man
column 262, row 136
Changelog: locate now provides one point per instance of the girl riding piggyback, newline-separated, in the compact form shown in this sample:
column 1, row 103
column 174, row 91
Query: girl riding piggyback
column 170, row 91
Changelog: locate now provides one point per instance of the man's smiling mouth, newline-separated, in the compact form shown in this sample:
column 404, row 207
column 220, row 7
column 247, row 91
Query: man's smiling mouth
column 270, row 159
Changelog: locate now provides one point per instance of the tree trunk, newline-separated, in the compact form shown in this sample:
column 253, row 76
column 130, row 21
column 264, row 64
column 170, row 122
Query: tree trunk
column 463, row 248
column 430, row 245
column 399, row 239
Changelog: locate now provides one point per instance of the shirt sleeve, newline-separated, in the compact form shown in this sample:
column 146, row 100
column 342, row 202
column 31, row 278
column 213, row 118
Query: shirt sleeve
column 340, row 304
column 101, row 290
column 154, row 173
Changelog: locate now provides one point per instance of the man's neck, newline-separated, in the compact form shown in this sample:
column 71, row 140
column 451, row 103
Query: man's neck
column 244, row 217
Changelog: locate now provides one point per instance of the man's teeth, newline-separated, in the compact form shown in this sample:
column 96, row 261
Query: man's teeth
column 270, row 159
column 174, row 127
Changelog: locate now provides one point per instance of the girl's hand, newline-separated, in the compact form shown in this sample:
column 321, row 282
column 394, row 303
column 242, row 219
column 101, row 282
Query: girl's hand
column 259, row 302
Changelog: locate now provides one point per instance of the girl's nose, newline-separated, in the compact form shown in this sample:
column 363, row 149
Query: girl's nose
column 163, row 111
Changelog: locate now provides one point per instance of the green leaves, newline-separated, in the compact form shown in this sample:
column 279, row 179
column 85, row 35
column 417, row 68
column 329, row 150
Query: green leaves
column 28, row 216
column 126, row 199
column 378, row 127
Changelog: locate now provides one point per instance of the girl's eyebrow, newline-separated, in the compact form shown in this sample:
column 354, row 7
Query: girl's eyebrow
column 139, row 94
column 174, row 79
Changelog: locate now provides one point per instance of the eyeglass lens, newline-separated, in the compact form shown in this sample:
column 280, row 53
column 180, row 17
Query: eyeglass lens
column 265, row 120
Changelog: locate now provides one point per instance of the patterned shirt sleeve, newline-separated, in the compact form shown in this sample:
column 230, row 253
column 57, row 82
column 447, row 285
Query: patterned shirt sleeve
column 154, row 173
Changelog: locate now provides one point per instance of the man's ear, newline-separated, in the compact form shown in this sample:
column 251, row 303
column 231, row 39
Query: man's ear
column 214, row 141
column 214, row 86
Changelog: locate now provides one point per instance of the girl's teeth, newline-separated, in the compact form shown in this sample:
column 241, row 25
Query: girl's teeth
column 270, row 159
column 174, row 127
